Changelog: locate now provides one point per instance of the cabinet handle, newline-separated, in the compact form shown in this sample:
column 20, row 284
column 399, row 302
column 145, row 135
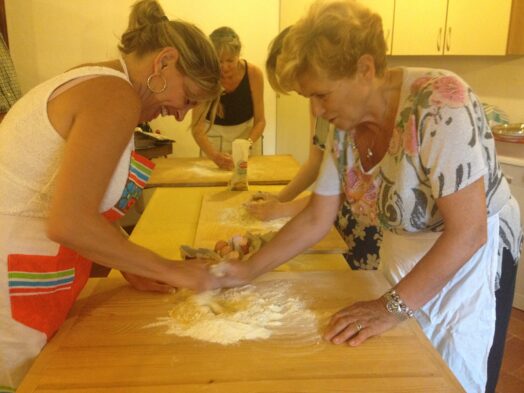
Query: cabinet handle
column 448, row 39
column 439, row 39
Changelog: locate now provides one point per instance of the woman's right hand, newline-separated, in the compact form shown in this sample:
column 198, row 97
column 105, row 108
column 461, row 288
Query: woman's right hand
column 266, row 208
column 233, row 274
column 193, row 274
column 223, row 161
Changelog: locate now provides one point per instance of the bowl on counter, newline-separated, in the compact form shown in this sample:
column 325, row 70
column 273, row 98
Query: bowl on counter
column 513, row 133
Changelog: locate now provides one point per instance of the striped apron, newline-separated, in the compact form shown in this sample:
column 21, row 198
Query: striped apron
column 43, row 288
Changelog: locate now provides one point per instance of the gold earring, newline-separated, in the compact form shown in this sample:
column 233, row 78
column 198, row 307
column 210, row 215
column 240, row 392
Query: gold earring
column 148, row 83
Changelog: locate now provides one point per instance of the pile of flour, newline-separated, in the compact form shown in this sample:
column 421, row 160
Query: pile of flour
column 239, row 215
column 245, row 313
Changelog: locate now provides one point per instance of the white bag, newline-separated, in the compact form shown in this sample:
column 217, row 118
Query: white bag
column 240, row 157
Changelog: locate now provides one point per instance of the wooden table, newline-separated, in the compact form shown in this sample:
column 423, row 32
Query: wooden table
column 201, row 172
column 175, row 217
column 222, row 216
column 104, row 347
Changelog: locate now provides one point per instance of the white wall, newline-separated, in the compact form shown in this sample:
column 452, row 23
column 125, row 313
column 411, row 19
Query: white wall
column 49, row 36
column 497, row 80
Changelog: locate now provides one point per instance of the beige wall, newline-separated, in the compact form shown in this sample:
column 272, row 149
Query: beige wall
column 50, row 36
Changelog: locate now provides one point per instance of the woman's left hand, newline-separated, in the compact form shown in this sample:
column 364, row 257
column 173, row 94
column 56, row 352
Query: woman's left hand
column 358, row 322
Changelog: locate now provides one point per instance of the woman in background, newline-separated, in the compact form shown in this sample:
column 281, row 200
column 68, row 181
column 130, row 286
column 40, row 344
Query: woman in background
column 240, row 114
column 76, row 172
column 413, row 153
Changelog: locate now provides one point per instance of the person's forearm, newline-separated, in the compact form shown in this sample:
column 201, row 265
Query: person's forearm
column 97, row 240
column 292, row 208
column 306, row 176
column 465, row 231
column 298, row 184
column 205, row 145
column 257, row 130
column 304, row 230
column 449, row 253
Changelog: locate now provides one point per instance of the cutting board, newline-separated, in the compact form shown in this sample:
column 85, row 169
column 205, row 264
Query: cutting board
column 194, row 171
column 105, row 346
column 223, row 215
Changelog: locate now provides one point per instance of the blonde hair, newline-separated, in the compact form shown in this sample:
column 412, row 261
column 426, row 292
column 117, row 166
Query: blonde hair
column 149, row 30
column 329, row 41
column 225, row 40
column 274, row 51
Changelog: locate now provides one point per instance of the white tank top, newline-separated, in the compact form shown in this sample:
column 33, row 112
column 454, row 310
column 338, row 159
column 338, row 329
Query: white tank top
column 31, row 151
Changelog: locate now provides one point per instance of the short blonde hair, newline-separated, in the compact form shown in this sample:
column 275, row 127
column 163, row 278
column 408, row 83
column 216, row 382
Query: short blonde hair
column 149, row 30
column 225, row 40
column 274, row 51
column 329, row 41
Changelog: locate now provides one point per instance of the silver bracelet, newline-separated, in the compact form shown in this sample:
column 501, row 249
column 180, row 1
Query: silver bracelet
column 395, row 305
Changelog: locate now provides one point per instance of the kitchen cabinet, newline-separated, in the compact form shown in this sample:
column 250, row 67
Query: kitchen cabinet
column 386, row 10
column 516, row 29
column 451, row 27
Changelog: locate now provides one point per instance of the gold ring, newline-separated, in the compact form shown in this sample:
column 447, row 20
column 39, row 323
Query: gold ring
column 359, row 326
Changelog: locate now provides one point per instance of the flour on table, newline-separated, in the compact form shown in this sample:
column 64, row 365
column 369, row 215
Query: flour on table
column 241, row 216
column 205, row 169
column 246, row 313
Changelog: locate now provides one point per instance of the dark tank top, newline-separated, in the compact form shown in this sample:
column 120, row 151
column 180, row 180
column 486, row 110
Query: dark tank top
column 237, row 105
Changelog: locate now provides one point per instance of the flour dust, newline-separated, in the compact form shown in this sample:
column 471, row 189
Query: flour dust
column 237, row 314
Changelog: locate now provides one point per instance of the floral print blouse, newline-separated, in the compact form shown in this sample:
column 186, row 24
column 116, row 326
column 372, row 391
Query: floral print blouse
column 363, row 240
column 440, row 144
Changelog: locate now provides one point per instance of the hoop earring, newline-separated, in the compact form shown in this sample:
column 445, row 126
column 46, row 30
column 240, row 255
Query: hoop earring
column 148, row 83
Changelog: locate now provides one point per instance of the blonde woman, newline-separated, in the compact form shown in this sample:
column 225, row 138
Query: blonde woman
column 240, row 113
column 77, row 172
column 414, row 154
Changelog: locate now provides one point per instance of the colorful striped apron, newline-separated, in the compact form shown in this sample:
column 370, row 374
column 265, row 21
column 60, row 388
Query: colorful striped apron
column 42, row 289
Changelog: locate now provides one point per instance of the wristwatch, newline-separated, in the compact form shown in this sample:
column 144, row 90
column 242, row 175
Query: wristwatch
column 395, row 305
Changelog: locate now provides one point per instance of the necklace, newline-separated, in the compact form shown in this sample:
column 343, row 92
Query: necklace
column 369, row 152
column 369, row 149
column 124, row 66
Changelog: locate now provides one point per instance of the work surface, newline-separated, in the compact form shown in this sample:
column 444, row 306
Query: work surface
column 200, row 172
column 223, row 215
column 179, row 216
column 105, row 346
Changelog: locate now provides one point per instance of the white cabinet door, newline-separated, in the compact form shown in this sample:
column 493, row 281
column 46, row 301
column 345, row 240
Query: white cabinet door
column 419, row 27
column 477, row 27
column 451, row 27
column 386, row 10
column 515, row 175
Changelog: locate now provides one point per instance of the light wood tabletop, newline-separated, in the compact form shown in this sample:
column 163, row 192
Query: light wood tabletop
column 107, row 346
column 200, row 216
column 223, row 215
column 111, row 342
column 202, row 172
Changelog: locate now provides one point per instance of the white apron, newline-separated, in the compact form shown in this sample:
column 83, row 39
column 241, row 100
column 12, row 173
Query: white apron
column 222, row 137
column 460, row 319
